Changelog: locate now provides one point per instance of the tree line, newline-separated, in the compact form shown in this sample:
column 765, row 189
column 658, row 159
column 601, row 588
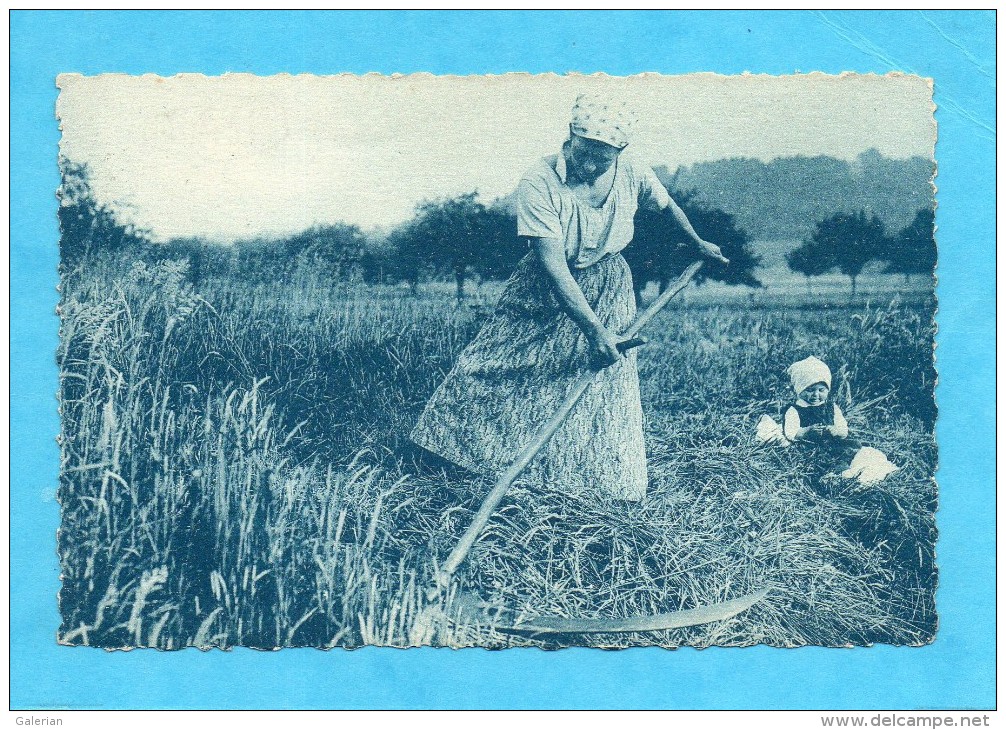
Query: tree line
column 847, row 242
column 460, row 238
column 456, row 239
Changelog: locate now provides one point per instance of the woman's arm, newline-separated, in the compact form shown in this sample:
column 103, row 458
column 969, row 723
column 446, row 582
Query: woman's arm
column 551, row 254
column 654, row 195
column 708, row 249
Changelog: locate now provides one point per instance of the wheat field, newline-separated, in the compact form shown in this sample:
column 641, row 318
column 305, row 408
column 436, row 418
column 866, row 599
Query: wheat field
column 234, row 473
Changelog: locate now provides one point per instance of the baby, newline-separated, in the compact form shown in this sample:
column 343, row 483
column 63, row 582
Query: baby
column 813, row 419
column 816, row 424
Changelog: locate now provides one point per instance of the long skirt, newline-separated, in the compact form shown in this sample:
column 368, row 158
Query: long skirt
column 517, row 371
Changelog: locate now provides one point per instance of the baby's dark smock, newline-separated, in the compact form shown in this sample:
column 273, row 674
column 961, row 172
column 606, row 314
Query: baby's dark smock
column 822, row 415
column 827, row 446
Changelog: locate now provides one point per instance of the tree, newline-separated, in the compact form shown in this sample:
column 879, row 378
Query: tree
column 206, row 258
column 812, row 258
column 913, row 249
column 87, row 225
column 499, row 248
column 260, row 259
column 448, row 230
column 337, row 248
column 847, row 242
column 407, row 256
column 379, row 264
column 660, row 248
column 455, row 237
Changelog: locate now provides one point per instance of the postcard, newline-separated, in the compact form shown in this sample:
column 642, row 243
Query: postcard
column 497, row 361
column 652, row 351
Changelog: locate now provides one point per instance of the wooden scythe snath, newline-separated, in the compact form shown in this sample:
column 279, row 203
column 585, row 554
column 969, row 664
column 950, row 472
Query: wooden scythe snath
column 546, row 625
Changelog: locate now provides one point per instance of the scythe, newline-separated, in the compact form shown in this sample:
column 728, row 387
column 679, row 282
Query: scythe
column 557, row 625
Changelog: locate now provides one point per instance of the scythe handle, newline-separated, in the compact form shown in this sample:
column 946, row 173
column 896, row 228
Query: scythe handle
column 672, row 291
column 507, row 478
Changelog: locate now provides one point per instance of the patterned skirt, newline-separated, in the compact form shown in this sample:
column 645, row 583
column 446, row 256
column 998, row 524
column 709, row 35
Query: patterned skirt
column 516, row 373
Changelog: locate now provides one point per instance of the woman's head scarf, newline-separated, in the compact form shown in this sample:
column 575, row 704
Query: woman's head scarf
column 603, row 120
column 807, row 372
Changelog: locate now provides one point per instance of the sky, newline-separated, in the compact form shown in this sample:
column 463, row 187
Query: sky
column 239, row 156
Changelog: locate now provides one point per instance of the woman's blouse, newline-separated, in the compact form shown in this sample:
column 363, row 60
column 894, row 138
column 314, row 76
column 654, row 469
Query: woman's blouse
column 548, row 208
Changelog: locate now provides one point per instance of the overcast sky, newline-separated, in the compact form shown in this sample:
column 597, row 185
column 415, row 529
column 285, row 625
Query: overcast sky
column 239, row 155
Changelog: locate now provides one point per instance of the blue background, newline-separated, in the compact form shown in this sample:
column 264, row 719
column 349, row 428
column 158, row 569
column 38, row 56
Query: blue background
column 957, row 49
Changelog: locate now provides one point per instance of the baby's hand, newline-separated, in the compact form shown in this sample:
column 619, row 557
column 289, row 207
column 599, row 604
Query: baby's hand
column 833, row 430
column 810, row 433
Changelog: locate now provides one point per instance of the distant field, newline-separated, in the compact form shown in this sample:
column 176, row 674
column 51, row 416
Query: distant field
column 783, row 287
column 232, row 472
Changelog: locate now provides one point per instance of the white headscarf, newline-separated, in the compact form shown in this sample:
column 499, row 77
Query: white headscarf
column 603, row 120
column 805, row 373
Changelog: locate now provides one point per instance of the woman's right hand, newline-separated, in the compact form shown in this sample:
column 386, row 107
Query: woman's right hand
column 603, row 347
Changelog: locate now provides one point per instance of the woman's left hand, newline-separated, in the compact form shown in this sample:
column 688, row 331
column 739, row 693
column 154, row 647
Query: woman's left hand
column 712, row 251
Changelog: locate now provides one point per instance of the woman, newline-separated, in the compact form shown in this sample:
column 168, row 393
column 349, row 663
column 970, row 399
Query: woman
column 560, row 314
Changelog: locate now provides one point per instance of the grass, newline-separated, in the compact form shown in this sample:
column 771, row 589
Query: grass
column 232, row 474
